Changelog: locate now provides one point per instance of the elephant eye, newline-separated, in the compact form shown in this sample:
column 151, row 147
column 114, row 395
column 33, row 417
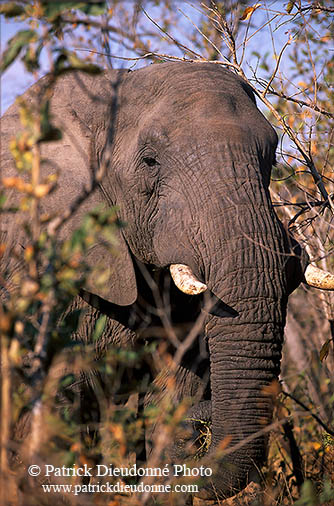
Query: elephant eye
column 150, row 161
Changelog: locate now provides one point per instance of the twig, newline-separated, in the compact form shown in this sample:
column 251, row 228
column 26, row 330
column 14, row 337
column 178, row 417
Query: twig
column 196, row 329
column 316, row 7
column 226, row 31
column 6, row 415
column 316, row 417
column 203, row 34
column 296, row 458
column 261, row 432
column 288, row 130
column 176, row 42
column 160, row 306
column 167, row 57
column 302, row 103
column 278, row 61
column 38, row 375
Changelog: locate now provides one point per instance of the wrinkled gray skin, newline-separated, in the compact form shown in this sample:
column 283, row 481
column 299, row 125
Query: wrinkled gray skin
column 189, row 161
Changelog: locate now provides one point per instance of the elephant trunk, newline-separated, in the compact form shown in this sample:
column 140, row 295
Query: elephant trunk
column 244, row 364
column 245, row 353
column 248, row 274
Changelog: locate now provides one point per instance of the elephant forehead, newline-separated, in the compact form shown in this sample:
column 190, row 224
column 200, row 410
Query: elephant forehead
column 225, row 115
column 174, row 96
column 186, row 83
column 185, row 75
column 185, row 132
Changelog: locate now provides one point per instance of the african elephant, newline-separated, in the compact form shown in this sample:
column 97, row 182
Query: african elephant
column 188, row 158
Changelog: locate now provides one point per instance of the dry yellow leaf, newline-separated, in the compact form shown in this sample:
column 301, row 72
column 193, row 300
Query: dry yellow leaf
column 117, row 431
column 225, row 442
column 76, row 447
column 14, row 182
column 29, row 288
column 19, row 327
column 248, row 12
column 314, row 148
column 290, row 7
column 28, row 253
column 41, row 190
column 14, row 350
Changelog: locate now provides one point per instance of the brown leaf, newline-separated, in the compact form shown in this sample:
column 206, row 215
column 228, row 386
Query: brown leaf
column 273, row 389
column 225, row 442
column 324, row 350
column 248, row 12
column 5, row 323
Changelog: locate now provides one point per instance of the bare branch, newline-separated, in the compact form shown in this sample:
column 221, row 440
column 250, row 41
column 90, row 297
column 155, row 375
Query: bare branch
column 278, row 61
column 310, row 105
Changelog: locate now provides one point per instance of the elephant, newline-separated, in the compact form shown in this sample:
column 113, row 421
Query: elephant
column 188, row 158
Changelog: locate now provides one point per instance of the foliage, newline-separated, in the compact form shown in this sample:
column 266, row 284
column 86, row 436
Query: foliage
column 294, row 86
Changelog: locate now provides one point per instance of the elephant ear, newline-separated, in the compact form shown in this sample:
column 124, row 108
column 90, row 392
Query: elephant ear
column 83, row 107
column 120, row 287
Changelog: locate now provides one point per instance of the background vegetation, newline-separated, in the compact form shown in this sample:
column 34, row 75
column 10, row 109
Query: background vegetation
column 285, row 52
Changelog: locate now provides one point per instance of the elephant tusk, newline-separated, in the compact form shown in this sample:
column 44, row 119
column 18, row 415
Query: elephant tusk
column 318, row 278
column 186, row 280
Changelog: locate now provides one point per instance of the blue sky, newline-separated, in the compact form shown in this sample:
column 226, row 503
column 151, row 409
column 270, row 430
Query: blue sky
column 15, row 80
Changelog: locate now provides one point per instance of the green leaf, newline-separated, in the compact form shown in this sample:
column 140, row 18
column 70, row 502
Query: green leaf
column 67, row 380
column 327, row 440
column 3, row 198
column 48, row 131
column 327, row 493
column 68, row 61
column 93, row 8
column 77, row 63
column 99, row 327
column 324, row 350
column 54, row 9
column 15, row 45
column 31, row 57
column 308, row 496
column 10, row 9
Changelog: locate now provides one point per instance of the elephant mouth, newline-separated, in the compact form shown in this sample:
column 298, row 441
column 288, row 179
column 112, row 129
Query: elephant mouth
column 195, row 435
column 186, row 281
column 203, row 437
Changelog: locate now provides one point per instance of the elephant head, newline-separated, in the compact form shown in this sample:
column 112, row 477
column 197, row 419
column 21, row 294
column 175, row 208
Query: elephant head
column 188, row 159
